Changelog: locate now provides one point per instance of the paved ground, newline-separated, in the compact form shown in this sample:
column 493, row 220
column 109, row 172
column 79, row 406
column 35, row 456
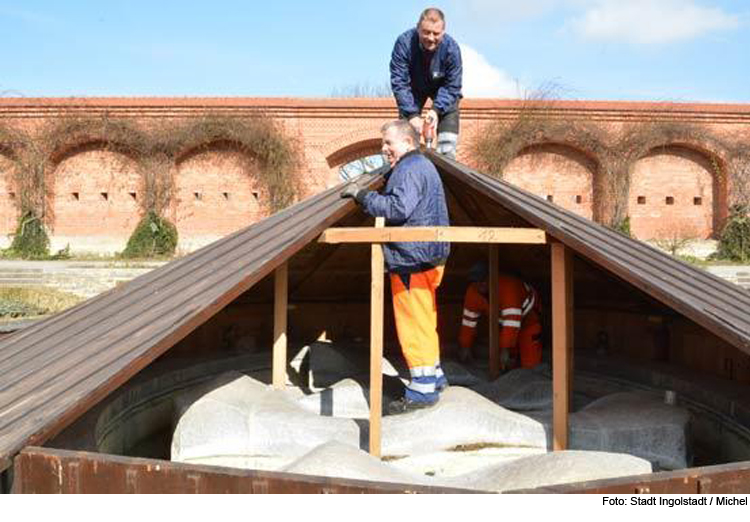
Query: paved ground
column 84, row 278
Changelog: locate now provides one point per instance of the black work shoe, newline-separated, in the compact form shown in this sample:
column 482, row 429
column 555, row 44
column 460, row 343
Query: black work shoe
column 404, row 405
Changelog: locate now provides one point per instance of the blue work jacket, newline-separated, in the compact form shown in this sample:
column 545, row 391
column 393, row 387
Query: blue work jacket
column 412, row 83
column 413, row 197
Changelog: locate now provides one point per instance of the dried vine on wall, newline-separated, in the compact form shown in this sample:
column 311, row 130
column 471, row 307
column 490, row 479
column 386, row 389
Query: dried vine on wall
column 538, row 123
column 155, row 150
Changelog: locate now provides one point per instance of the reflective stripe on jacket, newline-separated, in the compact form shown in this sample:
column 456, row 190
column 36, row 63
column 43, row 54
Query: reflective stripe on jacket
column 517, row 299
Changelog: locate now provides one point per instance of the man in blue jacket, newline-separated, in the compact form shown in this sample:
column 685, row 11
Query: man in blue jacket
column 426, row 63
column 413, row 196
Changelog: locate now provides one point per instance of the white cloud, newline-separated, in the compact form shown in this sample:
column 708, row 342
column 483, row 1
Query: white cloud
column 650, row 21
column 483, row 80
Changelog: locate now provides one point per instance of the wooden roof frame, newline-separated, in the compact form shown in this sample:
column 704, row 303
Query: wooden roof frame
column 54, row 371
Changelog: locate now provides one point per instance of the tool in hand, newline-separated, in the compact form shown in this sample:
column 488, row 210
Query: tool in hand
column 428, row 131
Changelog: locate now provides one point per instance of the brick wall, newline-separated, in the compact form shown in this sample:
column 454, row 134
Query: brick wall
column 672, row 195
column 557, row 173
column 217, row 190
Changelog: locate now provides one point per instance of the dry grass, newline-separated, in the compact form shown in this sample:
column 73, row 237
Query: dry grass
column 16, row 302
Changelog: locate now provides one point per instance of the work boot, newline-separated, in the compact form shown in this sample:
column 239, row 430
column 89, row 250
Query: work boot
column 404, row 405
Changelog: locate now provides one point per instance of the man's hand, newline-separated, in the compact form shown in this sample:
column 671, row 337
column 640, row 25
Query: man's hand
column 416, row 122
column 352, row 190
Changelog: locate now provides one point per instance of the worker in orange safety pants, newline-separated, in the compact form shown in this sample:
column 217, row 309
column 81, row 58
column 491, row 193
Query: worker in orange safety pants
column 520, row 314
column 413, row 196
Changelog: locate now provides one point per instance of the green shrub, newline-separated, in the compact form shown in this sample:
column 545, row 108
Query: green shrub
column 30, row 240
column 153, row 237
column 734, row 242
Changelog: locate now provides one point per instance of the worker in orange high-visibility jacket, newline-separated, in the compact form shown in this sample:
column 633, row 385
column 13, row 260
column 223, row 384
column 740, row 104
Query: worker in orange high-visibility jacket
column 520, row 314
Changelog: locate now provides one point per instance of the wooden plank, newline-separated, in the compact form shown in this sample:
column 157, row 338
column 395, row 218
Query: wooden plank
column 281, row 287
column 377, row 295
column 494, row 313
column 46, row 470
column 527, row 236
column 562, row 342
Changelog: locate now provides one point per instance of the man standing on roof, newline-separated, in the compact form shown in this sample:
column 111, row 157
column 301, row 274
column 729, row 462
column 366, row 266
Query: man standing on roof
column 520, row 314
column 426, row 63
column 413, row 196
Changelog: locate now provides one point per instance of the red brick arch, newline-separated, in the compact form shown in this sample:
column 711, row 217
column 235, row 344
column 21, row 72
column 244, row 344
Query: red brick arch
column 559, row 171
column 678, row 190
column 217, row 190
column 8, row 196
column 354, row 151
column 95, row 193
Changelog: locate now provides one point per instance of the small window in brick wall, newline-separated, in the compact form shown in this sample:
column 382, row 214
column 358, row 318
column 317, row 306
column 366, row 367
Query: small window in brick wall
column 256, row 196
column 697, row 201
column 670, row 200
column 226, row 195
column 550, row 198
column 579, row 200
column 198, row 196
column 641, row 200
column 12, row 195
column 104, row 195
column 76, row 196
column 133, row 195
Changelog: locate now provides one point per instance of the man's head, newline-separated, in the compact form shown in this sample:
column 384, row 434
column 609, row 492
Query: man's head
column 478, row 274
column 399, row 137
column 431, row 28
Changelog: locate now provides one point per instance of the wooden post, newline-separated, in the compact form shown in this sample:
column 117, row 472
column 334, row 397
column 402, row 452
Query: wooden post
column 562, row 342
column 493, row 282
column 281, row 284
column 376, row 344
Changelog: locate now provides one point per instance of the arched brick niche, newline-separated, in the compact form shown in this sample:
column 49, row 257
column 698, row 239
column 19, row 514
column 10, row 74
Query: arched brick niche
column 558, row 173
column 95, row 199
column 354, row 151
column 8, row 198
column 216, row 192
column 676, row 192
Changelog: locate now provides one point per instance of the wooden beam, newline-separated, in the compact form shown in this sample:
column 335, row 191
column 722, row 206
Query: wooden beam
column 531, row 236
column 281, row 284
column 562, row 342
column 377, row 295
column 493, row 282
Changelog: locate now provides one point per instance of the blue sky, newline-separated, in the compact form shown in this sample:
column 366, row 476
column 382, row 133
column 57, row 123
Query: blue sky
column 663, row 50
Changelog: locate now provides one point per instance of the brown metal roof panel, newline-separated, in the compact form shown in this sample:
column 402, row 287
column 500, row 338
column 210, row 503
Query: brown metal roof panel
column 58, row 368
column 714, row 303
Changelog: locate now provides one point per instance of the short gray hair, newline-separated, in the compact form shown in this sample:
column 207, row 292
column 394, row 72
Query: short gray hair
column 433, row 14
column 404, row 129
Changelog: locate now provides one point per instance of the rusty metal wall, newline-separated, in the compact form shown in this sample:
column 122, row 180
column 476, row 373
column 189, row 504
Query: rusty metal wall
column 44, row 470
column 723, row 479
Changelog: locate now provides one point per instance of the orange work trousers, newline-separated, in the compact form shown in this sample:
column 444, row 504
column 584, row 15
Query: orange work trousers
column 415, row 312
column 528, row 349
